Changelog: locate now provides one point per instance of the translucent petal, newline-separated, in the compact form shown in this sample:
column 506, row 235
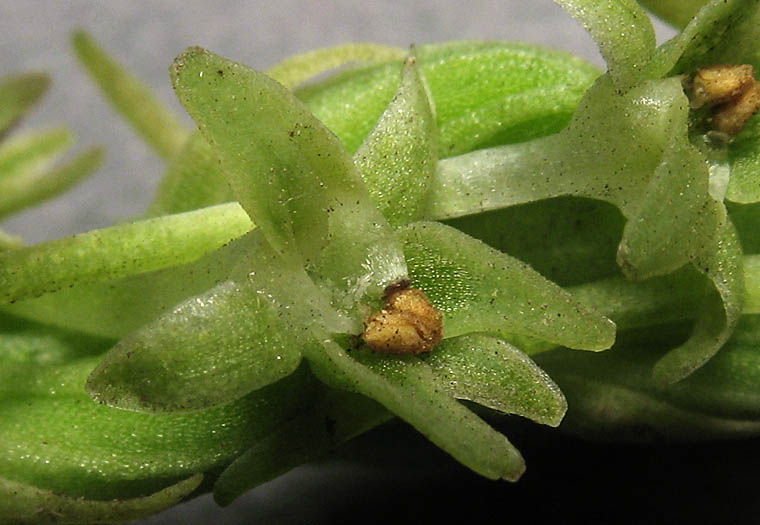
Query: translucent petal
column 719, row 312
column 407, row 387
column 397, row 160
column 245, row 333
column 480, row 289
column 623, row 32
column 291, row 174
column 619, row 148
column 495, row 374
column 723, row 32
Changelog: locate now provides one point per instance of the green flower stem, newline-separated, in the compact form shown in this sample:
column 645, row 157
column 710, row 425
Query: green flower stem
column 628, row 303
column 242, row 343
column 118, row 251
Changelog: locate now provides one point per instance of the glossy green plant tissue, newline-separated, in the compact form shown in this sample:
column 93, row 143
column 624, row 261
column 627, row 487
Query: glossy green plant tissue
column 589, row 243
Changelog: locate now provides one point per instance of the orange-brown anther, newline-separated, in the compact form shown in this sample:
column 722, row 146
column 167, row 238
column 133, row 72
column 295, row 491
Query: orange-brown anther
column 731, row 91
column 408, row 324
column 732, row 117
column 717, row 84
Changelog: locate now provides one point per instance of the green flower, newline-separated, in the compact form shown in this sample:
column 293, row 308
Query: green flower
column 547, row 211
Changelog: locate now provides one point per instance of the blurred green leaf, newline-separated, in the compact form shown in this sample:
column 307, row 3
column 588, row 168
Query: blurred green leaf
column 623, row 32
column 27, row 156
column 118, row 251
column 155, row 123
column 17, row 94
column 495, row 374
column 602, row 409
column 480, row 289
column 9, row 241
column 33, row 187
column 21, row 503
column 397, row 160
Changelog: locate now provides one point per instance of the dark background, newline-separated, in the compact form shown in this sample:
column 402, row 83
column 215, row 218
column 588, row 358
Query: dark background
column 392, row 472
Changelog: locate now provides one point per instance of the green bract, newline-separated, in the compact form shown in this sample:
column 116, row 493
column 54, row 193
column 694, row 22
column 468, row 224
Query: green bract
column 543, row 208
